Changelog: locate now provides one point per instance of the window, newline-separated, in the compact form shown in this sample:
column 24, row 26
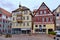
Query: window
column 13, row 18
column 37, row 30
column 27, row 24
column 16, row 24
column 9, row 31
column 0, row 25
column 23, row 24
column 44, row 12
column 25, row 12
column 44, row 30
column 38, row 19
column 42, row 19
column 50, row 18
column 36, row 25
column 6, row 16
column 0, row 15
column 44, row 25
column 10, row 23
column 23, row 18
column 27, row 17
column 40, row 12
column 3, row 25
column 57, row 14
column 3, row 21
column 47, row 19
column 13, row 24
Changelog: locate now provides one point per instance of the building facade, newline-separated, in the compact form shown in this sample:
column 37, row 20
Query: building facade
column 43, row 20
column 5, row 21
column 21, row 20
column 57, row 17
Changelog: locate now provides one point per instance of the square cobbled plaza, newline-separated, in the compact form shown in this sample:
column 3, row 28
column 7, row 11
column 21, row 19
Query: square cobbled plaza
column 28, row 37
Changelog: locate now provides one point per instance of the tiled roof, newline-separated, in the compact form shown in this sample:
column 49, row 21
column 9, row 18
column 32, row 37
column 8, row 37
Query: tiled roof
column 56, row 8
column 5, row 12
column 21, row 8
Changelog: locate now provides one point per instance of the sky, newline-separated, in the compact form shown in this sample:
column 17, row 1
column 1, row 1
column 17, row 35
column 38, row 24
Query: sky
column 11, row 5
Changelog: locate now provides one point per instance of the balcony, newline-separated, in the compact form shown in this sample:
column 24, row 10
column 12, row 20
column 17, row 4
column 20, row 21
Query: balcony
column 19, row 19
column 19, row 14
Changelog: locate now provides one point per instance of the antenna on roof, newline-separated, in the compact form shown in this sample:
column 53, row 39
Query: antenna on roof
column 19, row 4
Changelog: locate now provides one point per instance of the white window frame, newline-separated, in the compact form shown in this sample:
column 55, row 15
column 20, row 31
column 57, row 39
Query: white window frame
column 42, row 19
column 44, row 12
column 46, row 19
column 41, row 12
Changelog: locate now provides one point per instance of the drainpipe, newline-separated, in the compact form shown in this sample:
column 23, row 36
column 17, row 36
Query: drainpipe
column 54, row 22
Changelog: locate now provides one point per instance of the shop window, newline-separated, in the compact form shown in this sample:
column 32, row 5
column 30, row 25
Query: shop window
column 49, row 30
column 37, row 30
column 37, row 13
column 44, row 30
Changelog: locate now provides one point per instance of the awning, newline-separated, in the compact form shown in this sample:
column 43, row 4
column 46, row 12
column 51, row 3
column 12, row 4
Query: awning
column 25, row 28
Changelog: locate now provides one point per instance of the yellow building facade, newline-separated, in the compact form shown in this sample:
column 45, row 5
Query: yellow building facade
column 22, row 20
column 43, row 20
column 43, row 29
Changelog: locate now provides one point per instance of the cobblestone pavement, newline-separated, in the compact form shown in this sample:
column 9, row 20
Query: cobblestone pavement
column 27, row 37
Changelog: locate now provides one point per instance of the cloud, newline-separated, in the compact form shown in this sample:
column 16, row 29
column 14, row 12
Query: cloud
column 6, row 4
column 10, row 5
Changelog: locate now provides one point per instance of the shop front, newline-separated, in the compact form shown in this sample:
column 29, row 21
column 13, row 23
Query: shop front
column 20, row 31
